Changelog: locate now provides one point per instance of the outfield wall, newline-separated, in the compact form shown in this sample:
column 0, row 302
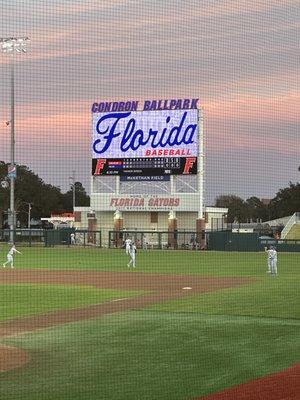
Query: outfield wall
column 178, row 239
column 249, row 242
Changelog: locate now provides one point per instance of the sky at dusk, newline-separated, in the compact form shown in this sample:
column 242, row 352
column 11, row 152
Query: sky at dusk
column 240, row 58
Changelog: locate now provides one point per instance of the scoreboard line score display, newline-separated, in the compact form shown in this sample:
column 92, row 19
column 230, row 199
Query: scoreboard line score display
column 145, row 166
column 146, row 143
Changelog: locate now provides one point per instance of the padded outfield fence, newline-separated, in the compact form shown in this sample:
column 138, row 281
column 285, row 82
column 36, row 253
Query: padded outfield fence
column 149, row 240
column 52, row 237
column 230, row 241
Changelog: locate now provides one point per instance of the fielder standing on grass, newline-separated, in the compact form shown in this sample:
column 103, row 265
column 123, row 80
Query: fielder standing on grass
column 145, row 243
column 132, row 253
column 127, row 245
column 10, row 258
column 72, row 238
column 272, row 260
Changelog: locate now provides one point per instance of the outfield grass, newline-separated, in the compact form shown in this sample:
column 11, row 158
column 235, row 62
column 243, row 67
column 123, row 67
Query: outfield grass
column 147, row 355
column 22, row 300
column 210, row 263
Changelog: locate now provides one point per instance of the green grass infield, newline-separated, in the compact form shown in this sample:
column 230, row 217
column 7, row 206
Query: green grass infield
column 270, row 297
column 22, row 300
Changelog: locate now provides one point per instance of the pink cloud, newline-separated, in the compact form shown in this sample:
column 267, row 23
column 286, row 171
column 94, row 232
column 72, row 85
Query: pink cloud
column 87, row 6
column 223, row 140
column 72, row 39
column 284, row 107
column 47, row 122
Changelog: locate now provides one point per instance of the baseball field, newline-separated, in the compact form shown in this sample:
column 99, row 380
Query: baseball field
column 77, row 323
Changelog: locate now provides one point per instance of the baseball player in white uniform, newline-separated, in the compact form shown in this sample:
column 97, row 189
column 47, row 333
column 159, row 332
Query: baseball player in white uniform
column 145, row 243
column 10, row 259
column 72, row 238
column 272, row 260
column 132, row 253
column 127, row 246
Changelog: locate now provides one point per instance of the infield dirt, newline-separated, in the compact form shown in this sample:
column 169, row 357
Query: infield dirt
column 283, row 385
column 158, row 288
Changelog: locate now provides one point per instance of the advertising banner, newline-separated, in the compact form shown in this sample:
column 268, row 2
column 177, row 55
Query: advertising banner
column 12, row 171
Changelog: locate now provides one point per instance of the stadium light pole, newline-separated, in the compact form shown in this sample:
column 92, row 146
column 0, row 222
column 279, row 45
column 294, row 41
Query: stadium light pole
column 72, row 178
column 12, row 46
column 29, row 214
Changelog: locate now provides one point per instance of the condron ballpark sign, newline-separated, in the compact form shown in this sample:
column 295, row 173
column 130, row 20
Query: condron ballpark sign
column 131, row 142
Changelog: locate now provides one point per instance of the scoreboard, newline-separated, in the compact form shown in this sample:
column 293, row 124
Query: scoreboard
column 159, row 166
column 147, row 158
column 145, row 143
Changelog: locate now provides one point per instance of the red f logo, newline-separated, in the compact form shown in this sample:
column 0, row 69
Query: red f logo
column 99, row 166
column 189, row 162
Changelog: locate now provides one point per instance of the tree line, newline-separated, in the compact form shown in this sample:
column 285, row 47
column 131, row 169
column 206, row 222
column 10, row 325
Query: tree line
column 43, row 197
column 46, row 199
column 285, row 203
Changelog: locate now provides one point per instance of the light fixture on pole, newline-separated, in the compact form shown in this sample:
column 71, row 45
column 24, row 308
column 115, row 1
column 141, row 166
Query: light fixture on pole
column 11, row 46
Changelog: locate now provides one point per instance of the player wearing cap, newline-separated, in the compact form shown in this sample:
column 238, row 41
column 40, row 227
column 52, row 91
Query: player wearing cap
column 10, row 259
column 132, row 253
column 72, row 238
column 127, row 245
column 272, row 260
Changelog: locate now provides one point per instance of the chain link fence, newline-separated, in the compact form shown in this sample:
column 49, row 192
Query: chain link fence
column 149, row 240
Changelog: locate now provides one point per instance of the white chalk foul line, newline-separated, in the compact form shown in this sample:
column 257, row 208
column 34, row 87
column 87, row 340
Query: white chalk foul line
column 125, row 298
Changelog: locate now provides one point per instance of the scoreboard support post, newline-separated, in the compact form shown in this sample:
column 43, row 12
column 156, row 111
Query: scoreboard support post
column 117, row 185
column 118, row 228
column 172, row 230
column 200, row 223
column 200, row 171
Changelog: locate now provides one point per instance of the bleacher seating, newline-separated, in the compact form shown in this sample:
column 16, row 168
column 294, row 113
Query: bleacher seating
column 294, row 232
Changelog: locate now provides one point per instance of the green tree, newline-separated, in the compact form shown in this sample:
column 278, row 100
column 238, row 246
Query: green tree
column 44, row 198
column 286, row 202
column 237, row 208
column 257, row 210
column 4, row 192
column 30, row 188
column 81, row 197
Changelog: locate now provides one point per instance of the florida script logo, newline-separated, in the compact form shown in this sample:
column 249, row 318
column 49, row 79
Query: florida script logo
column 137, row 134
